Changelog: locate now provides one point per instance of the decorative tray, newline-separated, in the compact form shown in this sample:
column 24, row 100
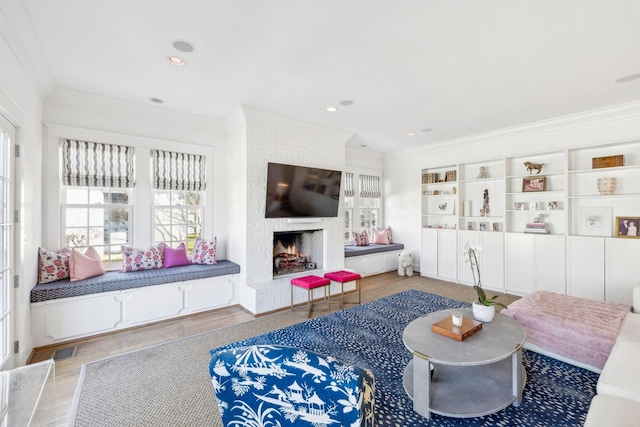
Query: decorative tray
column 445, row 327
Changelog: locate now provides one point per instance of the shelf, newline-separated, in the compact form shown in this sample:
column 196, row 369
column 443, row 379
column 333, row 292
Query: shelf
column 535, row 193
column 526, row 175
column 465, row 181
column 602, row 170
column 600, row 196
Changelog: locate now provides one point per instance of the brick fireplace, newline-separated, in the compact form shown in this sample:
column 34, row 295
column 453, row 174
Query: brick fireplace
column 297, row 251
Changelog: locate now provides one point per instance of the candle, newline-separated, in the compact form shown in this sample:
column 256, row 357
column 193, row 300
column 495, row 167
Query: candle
column 456, row 318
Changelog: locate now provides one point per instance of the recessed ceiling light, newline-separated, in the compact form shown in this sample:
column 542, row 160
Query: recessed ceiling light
column 628, row 78
column 332, row 109
column 346, row 102
column 363, row 145
column 426, row 130
column 156, row 100
column 174, row 60
column 411, row 134
column 183, row 46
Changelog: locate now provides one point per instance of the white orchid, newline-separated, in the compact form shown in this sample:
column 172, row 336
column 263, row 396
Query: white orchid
column 470, row 252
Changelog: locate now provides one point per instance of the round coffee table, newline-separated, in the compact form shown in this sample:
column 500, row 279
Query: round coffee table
column 478, row 376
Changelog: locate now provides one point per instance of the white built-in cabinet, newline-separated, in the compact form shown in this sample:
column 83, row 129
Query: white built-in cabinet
column 491, row 202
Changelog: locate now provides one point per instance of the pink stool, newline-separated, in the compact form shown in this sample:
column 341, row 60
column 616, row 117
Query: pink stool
column 342, row 277
column 309, row 283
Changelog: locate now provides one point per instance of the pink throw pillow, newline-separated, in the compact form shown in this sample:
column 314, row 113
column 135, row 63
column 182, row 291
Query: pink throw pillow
column 175, row 257
column 136, row 260
column 53, row 266
column 85, row 266
column 380, row 237
column 204, row 252
column 389, row 234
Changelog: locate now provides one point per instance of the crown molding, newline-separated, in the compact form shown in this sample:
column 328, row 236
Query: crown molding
column 586, row 118
column 17, row 31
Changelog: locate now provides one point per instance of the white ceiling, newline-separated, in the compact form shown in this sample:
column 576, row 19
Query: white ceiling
column 457, row 67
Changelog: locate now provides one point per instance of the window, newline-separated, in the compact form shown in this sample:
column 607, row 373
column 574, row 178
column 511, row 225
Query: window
column 348, row 206
column 97, row 209
column 98, row 217
column 179, row 182
column 363, row 202
column 369, row 203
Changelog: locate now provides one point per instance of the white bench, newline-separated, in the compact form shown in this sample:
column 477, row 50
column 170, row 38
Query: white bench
column 118, row 304
column 372, row 259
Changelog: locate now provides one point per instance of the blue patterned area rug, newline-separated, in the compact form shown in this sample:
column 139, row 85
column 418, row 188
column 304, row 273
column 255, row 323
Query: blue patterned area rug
column 370, row 336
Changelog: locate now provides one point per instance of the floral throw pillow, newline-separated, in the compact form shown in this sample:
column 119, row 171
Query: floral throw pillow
column 360, row 239
column 53, row 265
column 204, row 251
column 136, row 260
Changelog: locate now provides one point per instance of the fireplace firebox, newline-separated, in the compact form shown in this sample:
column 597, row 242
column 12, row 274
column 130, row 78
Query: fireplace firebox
column 296, row 251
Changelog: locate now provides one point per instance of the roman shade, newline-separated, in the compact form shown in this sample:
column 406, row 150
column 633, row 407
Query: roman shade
column 348, row 184
column 178, row 171
column 370, row 187
column 93, row 164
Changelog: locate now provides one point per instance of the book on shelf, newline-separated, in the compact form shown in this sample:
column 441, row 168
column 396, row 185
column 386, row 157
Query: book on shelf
column 536, row 225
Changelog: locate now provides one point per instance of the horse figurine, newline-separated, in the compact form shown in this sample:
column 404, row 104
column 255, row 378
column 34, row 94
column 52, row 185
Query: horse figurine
column 533, row 166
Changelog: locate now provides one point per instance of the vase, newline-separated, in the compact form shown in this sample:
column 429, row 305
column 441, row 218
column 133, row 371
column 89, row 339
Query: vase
column 483, row 313
column 607, row 186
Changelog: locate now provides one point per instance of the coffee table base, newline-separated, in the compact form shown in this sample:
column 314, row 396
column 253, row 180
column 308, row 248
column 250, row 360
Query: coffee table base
column 467, row 391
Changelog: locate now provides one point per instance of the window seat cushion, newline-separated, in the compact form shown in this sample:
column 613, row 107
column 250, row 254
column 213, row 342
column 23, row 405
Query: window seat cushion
column 117, row 281
column 350, row 251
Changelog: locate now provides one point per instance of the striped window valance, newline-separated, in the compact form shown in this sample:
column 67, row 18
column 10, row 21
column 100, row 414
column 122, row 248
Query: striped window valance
column 348, row 184
column 92, row 164
column 178, row 171
column 370, row 187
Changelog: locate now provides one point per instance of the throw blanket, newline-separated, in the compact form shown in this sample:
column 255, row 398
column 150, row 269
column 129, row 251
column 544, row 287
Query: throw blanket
column 580, row 329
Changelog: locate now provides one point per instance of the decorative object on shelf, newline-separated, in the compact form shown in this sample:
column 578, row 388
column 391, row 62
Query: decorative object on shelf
column 534, row 206
column 627, row 226
column 607, row 161
column 471, row 225
column 454, row 190
column 483, row 173
column 538, row 183
column 483, row 226
column 496, row 226
column 467, row 208
column 606, row 186
column 552, row 206
column 533, row 166
column 485, row 203
column 537, row 226
column 519, row 206
column 483, row 308
column 436, row 192
column 595, row 221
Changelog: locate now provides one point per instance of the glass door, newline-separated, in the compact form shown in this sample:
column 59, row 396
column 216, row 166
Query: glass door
column 7, row 135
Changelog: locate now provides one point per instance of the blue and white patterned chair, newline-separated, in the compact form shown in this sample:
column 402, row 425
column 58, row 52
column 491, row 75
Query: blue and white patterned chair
column 273, row 385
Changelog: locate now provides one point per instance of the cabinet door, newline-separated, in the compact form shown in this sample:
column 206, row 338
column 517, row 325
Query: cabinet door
column 429, row 256
column 448, row 254
column 585, row 267
column 623, row 269
column 465, row 276
column 492, row 260
column 549, row 264
column 519, row 263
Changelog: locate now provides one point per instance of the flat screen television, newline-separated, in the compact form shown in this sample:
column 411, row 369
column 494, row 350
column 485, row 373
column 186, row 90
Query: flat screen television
column 300, row 191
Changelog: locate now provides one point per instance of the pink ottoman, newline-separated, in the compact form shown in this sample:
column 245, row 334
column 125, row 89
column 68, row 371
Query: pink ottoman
column 310, row 283
column 342, row 277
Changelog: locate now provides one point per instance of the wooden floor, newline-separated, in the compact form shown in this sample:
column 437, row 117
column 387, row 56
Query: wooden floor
column 67, row 371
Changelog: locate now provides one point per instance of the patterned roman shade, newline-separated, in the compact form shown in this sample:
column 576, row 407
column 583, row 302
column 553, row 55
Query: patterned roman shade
column 348, row 184
column 92, row 164
column 178, row 171
column 370, row 187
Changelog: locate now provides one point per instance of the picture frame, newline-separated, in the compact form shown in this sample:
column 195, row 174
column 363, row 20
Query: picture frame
column 496, row 226
column 483, row 226
column 519, row 206
column 534, row 183
column 596, row 221
column 471, row 225
column 627, row 226
column 552, row 206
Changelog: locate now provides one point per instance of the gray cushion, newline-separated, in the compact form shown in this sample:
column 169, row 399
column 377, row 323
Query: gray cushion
column 373, row 248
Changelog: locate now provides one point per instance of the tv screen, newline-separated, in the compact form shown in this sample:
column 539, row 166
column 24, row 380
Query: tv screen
column 299, row 191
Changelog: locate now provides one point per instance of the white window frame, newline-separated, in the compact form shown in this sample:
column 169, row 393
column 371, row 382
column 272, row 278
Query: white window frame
column 358, row 209
column 171, row 241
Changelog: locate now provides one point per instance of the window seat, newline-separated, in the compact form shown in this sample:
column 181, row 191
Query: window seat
column 63, row 311
column 117, row 281
column 351, row 251
column 372, row 259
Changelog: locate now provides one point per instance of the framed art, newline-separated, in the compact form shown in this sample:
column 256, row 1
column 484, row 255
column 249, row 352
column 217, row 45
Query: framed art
column 595, row 221
column 471, row 225
column 519, row 206
column 552, row 206
column 627, row 226
column 534, row 183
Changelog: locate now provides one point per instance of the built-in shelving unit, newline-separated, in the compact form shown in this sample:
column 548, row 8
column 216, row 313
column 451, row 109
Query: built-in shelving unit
column 496, row 202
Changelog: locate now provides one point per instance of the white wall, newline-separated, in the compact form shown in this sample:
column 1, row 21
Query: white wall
column 21, row 104
column 403, row 170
